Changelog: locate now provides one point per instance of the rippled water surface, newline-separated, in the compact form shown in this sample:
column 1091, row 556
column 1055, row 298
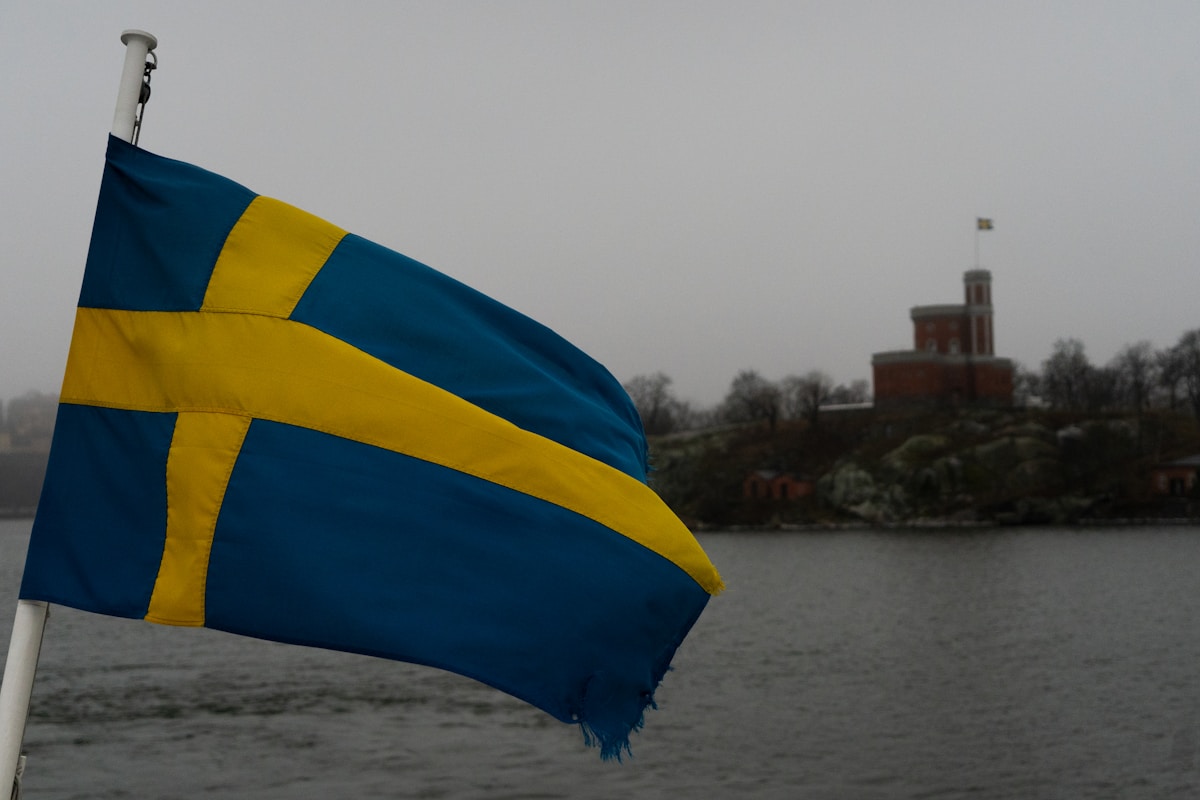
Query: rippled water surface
column 983, row 664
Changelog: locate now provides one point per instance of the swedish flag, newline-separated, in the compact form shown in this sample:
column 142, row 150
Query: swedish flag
column 272, row 427
column 983, row 224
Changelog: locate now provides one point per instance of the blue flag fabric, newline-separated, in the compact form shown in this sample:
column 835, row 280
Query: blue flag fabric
column 272, row 427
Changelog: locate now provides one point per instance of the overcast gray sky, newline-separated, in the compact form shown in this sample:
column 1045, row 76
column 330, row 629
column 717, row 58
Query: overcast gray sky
column 691, row 187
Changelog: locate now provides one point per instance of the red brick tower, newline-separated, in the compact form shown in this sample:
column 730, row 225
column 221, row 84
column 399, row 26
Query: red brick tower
column 953, row 359
column 978, row 285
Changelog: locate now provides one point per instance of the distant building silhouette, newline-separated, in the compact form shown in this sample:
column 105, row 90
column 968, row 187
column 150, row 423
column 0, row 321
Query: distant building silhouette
column 953, row 360
column 29, row 422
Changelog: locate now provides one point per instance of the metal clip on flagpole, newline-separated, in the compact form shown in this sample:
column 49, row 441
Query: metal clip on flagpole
column 30, row 621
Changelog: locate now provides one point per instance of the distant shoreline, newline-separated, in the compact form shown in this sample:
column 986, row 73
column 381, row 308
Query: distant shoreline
column 949, row 525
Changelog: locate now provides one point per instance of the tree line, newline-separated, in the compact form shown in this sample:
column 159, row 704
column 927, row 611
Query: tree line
column 1137, row 379
column 750, row 398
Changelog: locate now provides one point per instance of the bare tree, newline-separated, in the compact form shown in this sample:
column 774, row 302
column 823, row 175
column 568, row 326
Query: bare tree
column 1027, row 385
column 657, row 406
column 1187, row 351
column 752, row 397
column 1065, row 373
column 791, row 389
column 1170, row 374
column 806, row 394
column 1101, row 389
column 857, row 391
column 1136, row 370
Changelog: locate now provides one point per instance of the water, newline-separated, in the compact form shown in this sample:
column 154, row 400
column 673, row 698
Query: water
column 983, row 664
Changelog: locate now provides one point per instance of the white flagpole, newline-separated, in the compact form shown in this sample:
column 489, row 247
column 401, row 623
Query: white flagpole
column 23, row 649
column 138, row 45
column 26, row 642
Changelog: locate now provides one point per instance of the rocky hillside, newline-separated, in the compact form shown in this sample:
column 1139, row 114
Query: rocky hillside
column 1012, row 467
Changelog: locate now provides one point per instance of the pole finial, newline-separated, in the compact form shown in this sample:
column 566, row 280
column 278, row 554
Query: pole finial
column 133, row 33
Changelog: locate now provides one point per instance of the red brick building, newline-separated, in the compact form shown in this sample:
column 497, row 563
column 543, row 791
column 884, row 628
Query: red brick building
column 768, row 484
column 953, row 360
column 1179, row 478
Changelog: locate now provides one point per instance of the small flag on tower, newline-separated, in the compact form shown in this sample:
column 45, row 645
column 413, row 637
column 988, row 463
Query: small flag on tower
column 984, row 224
